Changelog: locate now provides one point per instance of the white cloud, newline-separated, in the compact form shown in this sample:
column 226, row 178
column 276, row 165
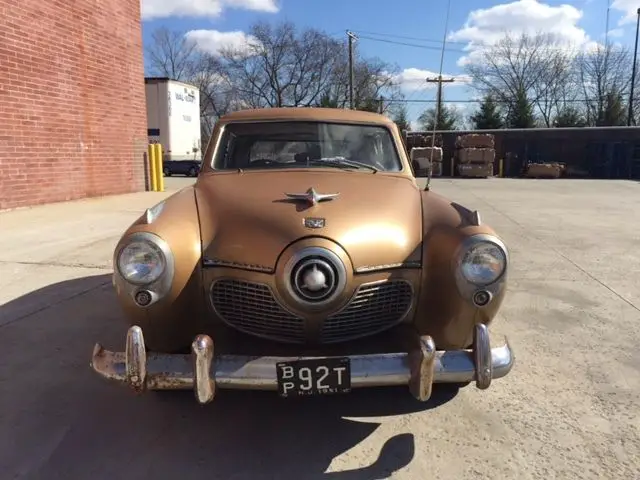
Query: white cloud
column 415, row 126
column 629, row 8
column 616, row 32
column 412, row 79
column 153, row 9
column 485, row 27
column 212, row 41
column 211, row 80
column 464, row 109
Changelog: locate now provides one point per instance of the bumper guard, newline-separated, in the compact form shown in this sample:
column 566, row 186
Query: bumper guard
column 204, row 373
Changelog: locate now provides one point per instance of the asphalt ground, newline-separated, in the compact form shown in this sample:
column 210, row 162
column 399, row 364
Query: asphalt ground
column 570, row 408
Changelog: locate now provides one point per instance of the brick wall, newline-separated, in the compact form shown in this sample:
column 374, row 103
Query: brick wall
column 72, row 104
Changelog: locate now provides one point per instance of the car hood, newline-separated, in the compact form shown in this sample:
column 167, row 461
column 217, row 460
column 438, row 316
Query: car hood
column 247, row 220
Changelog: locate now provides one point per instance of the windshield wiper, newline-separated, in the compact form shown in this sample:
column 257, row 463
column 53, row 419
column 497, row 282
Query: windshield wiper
column 342, row 162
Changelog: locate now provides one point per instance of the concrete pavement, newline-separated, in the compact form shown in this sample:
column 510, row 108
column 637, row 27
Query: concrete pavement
column 570, row 408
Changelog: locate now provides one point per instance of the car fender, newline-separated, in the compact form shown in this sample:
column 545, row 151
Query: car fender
column 444, row 310
column 174, row 318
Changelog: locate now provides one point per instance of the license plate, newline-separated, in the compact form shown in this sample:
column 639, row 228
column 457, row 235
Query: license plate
column 324, row 376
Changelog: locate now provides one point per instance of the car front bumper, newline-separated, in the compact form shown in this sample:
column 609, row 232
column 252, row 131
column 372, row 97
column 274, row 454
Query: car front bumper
column 204, row 372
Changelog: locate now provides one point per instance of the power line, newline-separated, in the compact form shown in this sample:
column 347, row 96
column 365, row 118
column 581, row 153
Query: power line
column 471, row 46
column 419, row 39
column 417, row 91
column 426, row 47
column 402, row 100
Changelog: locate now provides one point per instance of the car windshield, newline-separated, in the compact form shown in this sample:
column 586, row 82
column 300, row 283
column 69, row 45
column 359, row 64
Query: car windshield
column 270, row 145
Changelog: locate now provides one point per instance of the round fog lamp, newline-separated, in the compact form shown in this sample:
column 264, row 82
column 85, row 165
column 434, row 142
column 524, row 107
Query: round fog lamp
column 481, row 298
column 143, row 298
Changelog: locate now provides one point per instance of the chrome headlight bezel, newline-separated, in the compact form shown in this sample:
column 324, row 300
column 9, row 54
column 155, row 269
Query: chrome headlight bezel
column 162, row 280
column 468, row 245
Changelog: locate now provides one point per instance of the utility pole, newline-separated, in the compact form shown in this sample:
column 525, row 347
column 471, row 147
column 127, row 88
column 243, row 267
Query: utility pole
column 439, row 80
column 352, row 37
column 606, row 40
column 633, row 73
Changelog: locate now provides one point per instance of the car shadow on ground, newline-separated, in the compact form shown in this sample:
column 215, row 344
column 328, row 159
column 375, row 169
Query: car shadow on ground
column 59, row 420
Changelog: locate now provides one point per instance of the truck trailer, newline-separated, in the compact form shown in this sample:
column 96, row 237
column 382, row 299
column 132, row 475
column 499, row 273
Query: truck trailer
column 173, row 118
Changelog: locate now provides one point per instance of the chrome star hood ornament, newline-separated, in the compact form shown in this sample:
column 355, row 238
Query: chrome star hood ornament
column 312, row 197
column 314, row 279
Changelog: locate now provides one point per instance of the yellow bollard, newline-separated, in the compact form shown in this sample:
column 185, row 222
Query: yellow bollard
column 159, row 168
column 501, row 168
column 153, row 173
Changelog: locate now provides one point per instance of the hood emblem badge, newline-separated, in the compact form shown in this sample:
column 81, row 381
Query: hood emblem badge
column 314, row 280
column 314, row 222
column 312, row 197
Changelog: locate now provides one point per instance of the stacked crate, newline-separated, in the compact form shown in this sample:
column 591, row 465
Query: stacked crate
column 421, row 160
column 545, row 170
column 421, row 140
column 475, row 155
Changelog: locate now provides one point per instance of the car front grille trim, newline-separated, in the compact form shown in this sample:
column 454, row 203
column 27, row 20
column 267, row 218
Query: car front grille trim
column 252, row 308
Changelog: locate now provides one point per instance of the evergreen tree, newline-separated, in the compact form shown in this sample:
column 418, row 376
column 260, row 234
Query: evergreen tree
column 401, row 118
column 448, row 120
column 614, row 112
column 487, row 117
column 520, row 112
column 326, row 101
column 569, row 117
column 367, row 104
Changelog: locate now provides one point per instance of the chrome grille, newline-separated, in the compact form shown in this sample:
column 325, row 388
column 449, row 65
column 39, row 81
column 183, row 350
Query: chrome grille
column 251, row 308
column 374, row 308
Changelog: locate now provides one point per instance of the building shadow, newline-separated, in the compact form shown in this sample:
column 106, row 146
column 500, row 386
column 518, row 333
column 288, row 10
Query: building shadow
column 60, row 420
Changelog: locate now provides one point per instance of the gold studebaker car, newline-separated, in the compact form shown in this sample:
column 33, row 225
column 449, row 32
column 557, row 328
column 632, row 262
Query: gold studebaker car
column 307, row 260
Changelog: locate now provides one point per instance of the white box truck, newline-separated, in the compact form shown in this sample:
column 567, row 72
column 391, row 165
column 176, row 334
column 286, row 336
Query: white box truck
column 173, row 120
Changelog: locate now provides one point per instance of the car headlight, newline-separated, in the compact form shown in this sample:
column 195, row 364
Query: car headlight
column 483, row 263
column 141, row 262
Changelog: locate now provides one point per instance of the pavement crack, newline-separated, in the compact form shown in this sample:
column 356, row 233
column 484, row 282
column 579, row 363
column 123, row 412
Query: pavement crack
column 57, row 264
column 60, row 301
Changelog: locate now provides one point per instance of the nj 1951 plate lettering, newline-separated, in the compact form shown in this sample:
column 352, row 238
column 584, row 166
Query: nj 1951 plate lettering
column 314, row 377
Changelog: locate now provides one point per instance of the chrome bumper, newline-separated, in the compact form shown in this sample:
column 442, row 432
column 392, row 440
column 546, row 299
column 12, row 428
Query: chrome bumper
column 204, row 373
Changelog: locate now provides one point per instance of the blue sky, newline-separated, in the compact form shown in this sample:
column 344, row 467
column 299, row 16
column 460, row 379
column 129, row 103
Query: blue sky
column 579, row 22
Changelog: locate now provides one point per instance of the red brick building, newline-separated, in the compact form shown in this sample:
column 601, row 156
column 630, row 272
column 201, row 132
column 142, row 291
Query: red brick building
column 72, row 101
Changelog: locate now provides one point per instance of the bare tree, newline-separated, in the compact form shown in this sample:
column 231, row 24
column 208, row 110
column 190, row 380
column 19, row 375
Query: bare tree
column 217, row 94
column 375, row 87
column 555, row 88
column 605, row 79
column 525, row 69
column 375, row 79
column 280, row 67
column 171, row 55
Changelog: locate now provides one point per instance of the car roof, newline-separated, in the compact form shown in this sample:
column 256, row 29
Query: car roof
column 306, row 113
